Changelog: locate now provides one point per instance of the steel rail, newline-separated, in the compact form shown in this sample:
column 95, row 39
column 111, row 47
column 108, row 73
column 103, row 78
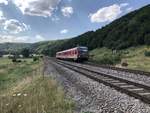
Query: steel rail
column 133, row 89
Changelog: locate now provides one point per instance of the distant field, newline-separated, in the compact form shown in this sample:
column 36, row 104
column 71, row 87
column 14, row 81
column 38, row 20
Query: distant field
column 10, row 72
column 23, row 89
column 133, row 56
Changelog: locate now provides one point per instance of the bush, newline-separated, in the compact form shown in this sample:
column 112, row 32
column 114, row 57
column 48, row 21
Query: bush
column 124, row 63
column 147, row 53
column 109, row 59
column 35, row 59
column 25, row 52
column 14, row 59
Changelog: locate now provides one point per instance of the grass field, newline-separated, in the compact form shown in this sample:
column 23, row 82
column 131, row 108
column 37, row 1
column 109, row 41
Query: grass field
column 23, row 90
column 133, row 56
column 10, row 72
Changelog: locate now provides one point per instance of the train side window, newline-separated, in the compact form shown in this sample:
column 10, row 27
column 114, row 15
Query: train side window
column 75, row 51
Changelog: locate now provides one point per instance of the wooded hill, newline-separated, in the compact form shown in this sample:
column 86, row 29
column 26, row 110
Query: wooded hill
column 132, row 29
column 6, row 48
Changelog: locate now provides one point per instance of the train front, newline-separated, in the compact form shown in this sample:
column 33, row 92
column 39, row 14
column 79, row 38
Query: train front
column 83, row 53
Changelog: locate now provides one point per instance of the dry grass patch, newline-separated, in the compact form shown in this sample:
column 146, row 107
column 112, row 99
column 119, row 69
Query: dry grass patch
column 38, row 96
column 134, row 57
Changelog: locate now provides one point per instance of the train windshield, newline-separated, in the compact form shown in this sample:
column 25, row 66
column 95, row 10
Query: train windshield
column 83, row 49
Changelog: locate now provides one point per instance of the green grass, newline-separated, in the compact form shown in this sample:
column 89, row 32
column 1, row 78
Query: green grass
column 23, row 90
column 134, row 56
column 104, row 56
column 10, row 72
column 40, row 96
column 137, row 59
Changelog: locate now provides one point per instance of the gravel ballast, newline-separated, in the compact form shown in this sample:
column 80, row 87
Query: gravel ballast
column 91, row 96
column 142, row 79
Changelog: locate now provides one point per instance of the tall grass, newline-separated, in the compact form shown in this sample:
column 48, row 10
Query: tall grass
column 105, row 56
column 135, row 57
column 24, row 90
column 40, row 96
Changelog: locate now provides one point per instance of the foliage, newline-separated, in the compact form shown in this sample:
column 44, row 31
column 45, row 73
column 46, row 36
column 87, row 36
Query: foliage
column 12, row 48
column 14, row 59
column 35, row 59
column 130, row 30
column 108, row 59
column 147, row 53
column 25, row 52
column 133, row 57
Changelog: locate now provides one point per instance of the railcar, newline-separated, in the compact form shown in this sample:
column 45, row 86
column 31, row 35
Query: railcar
column 77, row 54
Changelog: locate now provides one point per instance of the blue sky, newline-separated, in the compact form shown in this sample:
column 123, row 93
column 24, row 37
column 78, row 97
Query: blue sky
column 40, row 20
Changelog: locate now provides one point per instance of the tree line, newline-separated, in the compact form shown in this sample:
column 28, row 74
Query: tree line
column 132, row 29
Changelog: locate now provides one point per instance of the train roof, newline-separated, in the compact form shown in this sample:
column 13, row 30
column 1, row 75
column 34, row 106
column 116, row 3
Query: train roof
column 82, row 47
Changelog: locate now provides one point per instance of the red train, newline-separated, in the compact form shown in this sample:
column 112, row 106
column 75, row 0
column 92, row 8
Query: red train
column 77, row 54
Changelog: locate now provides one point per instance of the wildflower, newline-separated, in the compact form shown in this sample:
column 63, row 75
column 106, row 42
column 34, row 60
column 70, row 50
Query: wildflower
column 7, row 104
column 19, row 106
column 19, row 94
column 24, row 95
column 14, row 95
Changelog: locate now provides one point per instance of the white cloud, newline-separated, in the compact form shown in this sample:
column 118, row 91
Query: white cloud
column 1, row 14
column 10, row 38
column 39, row 38
column 55, row 19
column 106, row 14
column 124, row 4
column 14, row 26
column 2, row 18
column 5, row 2
column 64, row 31
column 22, row 39
column 43, row 8
column 67, row 11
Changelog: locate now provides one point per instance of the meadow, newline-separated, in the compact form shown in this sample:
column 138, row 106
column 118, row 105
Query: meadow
column 134, row 57
column 24, row 90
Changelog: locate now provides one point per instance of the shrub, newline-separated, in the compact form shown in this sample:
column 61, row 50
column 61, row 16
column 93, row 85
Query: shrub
column 14, row 59
column 109, row 59
column 25, row 52
column 124, row 63
column 35, row 59
column 147, row 53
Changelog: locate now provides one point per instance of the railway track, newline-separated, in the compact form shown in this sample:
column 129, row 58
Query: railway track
column 139, row 91
column 120, row 69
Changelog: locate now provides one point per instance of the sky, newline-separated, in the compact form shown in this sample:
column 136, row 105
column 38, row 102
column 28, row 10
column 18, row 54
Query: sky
column 32, row 21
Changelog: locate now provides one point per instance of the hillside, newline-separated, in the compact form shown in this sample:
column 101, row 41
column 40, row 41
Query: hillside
column 12, row 47
column 130, row 30
column 134, row 56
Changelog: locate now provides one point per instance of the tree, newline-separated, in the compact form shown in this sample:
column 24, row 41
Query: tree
column 25, row 52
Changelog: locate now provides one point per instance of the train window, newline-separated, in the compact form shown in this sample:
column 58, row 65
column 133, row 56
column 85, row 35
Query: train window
column 72, row 52
column 75, row 51
column 83, row 49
